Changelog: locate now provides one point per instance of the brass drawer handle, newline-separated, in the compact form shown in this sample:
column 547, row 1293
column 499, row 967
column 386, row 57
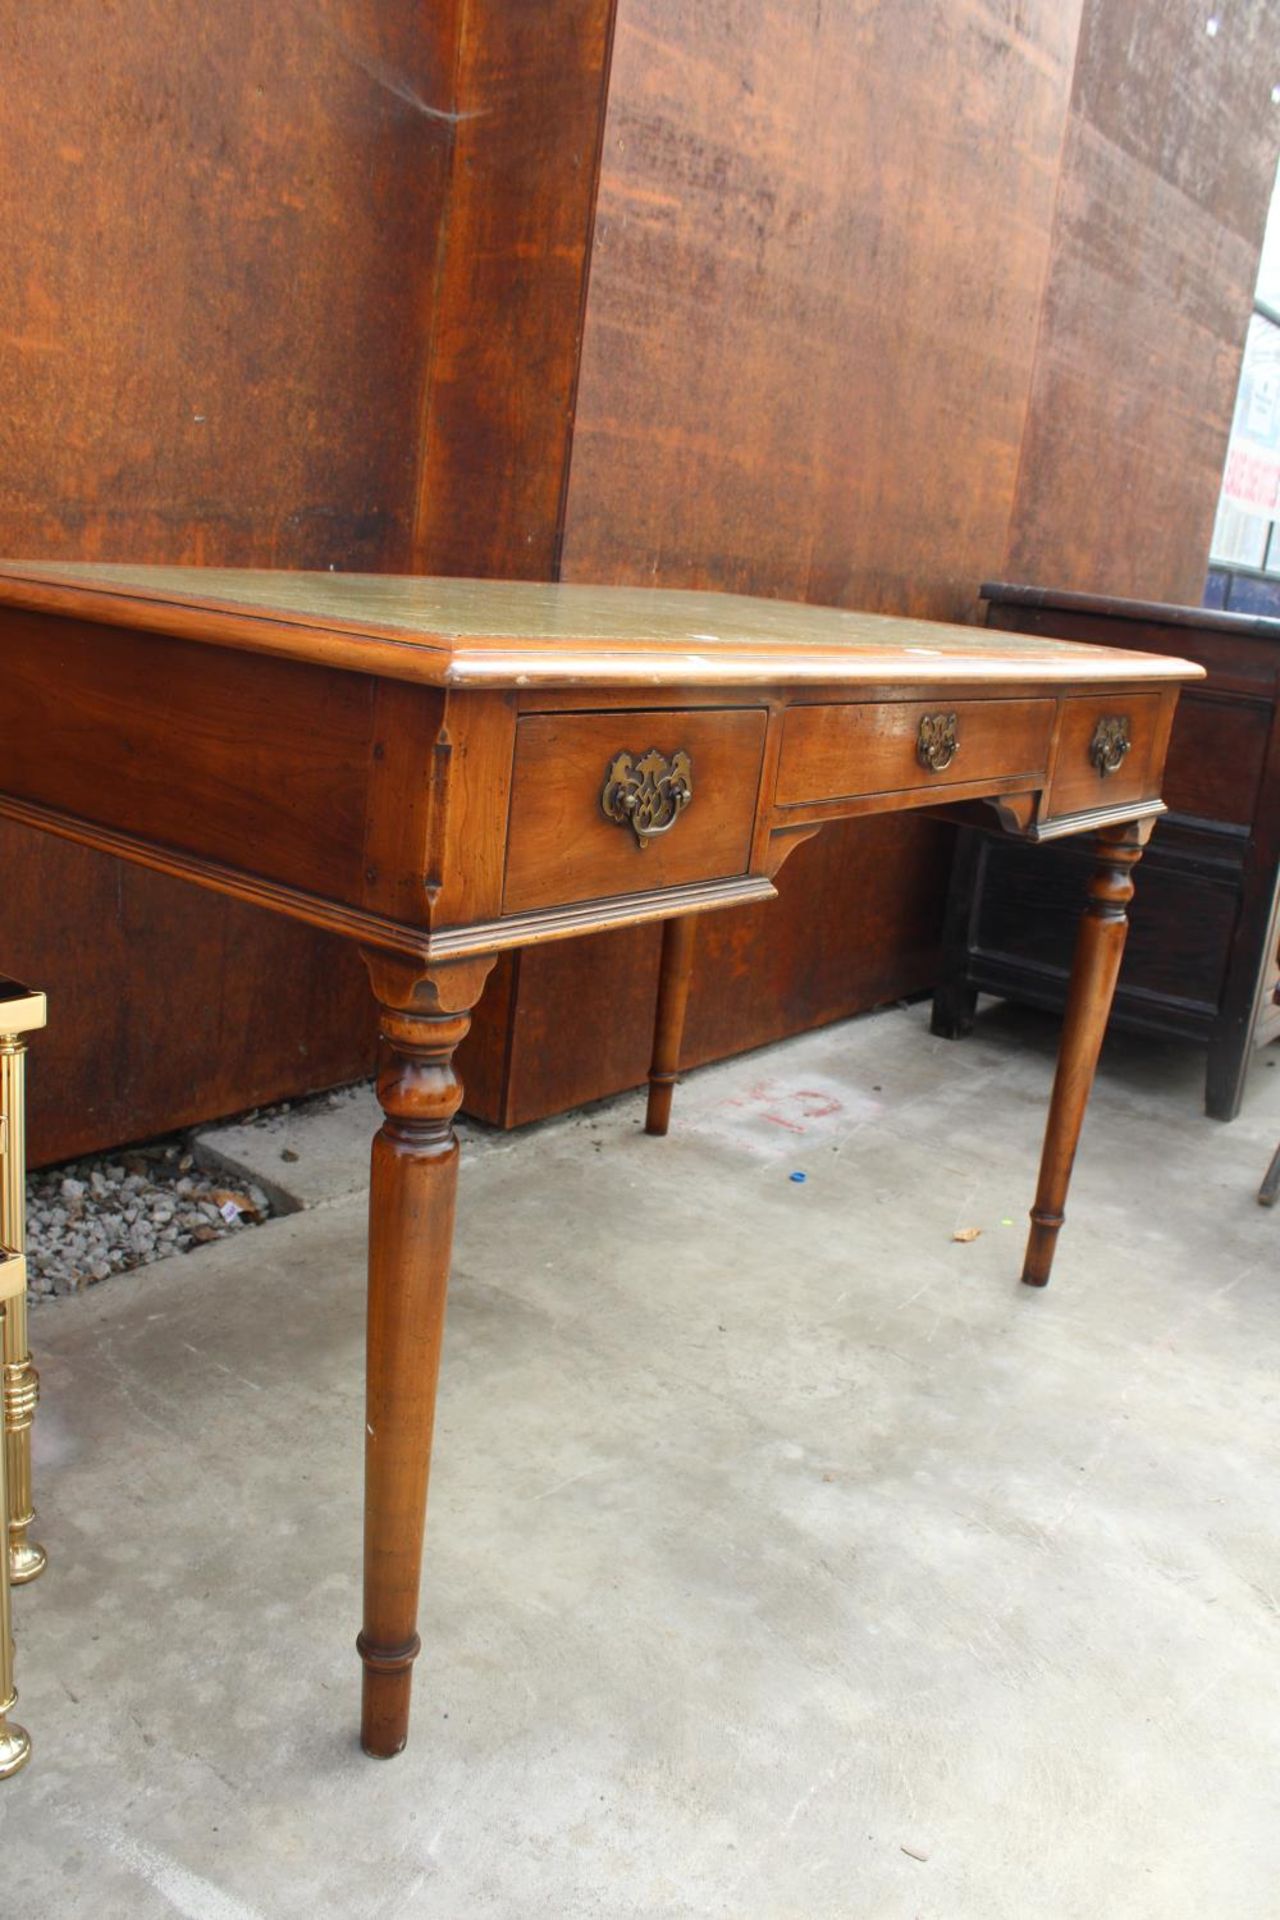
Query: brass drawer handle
column 649, row 794
column 1110, row 743
column 938, row 741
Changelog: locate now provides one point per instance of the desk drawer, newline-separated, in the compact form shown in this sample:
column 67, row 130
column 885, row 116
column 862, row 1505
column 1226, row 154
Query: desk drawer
column 836, row 753
column 1104, row 751
column 563, row 846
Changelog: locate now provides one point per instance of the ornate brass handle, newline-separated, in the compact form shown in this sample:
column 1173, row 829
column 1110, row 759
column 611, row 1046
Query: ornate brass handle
column 1110, row 743
column 647, row 794
column 938, row 741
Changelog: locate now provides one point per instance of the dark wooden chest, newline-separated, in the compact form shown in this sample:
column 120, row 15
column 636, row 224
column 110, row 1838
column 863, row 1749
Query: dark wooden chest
column 1201, row 959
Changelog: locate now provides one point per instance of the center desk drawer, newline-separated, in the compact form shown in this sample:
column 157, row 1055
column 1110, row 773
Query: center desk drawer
column 562, row 846
column 835, row 753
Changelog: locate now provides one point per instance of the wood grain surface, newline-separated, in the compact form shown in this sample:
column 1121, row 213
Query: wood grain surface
column 83, row 732
column 821, row 238
column 516, row 634
column 496, row 429
column 823, row 747
column 222, row 231
column 1077, row 782
column 560, row 845
column 1167, row 172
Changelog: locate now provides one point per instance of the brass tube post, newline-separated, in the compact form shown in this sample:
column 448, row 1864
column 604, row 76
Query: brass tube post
column 15, row 1743
column 21, row 1382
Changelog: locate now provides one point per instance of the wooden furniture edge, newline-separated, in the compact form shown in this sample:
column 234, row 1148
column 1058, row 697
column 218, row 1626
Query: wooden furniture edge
column 1008, row 593
column 376, row 930
column 571, row 660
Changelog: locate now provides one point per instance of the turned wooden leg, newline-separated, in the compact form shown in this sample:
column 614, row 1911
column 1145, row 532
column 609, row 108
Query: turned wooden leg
column 1099, row 949
column 21, row 1382
column 668, row 1029
column 425, row 1014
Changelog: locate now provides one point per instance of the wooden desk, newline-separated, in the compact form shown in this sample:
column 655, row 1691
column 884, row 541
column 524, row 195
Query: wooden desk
column 441, row 770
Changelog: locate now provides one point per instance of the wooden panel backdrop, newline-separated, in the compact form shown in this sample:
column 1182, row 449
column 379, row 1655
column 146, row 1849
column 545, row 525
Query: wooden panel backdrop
column 801, row 374
column 1169, row 161
column 307, row 286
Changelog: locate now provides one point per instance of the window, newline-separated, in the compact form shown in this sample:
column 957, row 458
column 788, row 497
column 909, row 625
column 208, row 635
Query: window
column 1244, row 554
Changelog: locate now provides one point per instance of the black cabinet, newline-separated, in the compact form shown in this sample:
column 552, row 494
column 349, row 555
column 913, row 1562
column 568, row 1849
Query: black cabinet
column 1201, row 956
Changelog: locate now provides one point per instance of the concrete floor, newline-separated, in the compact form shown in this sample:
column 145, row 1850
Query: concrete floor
column 786, row 1559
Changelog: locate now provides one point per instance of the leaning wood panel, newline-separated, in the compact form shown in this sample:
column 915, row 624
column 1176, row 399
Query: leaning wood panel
column 221, row 225
column 801, row 374
column 1166, row 177
column 506, row 322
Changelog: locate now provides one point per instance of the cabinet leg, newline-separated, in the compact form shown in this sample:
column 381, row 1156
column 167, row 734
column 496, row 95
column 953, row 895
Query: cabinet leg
column 1225, row 1071
column 668, row 1031
column 21, row 1382
column 1270, row 1182
column 955, row 1002
column 1250, row 960
column 425, row 1016
column 955, row 1008
column 1099, row 949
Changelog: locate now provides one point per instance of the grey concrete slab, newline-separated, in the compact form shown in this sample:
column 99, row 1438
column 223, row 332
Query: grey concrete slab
column 786, row 1559
column 316, row 1151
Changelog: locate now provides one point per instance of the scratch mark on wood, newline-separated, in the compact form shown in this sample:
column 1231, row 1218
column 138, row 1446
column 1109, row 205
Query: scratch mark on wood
column 393, row 82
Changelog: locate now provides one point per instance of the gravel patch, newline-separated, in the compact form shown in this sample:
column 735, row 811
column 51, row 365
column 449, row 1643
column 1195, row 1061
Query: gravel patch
column 112, row 1212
